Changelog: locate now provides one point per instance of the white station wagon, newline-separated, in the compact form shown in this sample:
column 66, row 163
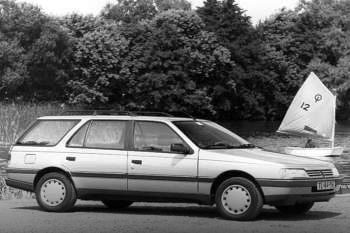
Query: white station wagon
column 123, row 158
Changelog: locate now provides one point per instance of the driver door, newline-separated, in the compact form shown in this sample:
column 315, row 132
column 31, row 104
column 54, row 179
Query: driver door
column 153, row 167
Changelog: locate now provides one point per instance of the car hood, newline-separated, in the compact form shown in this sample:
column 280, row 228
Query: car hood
column 263, row 156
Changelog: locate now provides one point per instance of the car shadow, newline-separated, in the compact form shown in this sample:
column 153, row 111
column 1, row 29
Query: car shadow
column 269, row 214
column 274, row 215
column 187, row 211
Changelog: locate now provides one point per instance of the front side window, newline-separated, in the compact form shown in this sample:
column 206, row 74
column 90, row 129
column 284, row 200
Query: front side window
column 47, row 132
column 209, row 135
column 106, row 135
column 154, row 136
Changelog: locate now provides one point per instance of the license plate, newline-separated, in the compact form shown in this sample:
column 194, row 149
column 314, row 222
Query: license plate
column 325, row 185
column 345, row 186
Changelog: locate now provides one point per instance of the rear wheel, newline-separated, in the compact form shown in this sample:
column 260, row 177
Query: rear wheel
column 55, row 192
column 299, row 208
column 117, row 204
column 238, row 199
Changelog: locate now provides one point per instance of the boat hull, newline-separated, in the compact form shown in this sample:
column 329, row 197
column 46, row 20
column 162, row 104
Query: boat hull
column 314, row 152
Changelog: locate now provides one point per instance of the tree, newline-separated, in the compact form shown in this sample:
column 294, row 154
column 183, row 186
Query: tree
column 42, row 51
column 133, row 11
column 98, row 52
column 48, row 63
column 13, row 69
column 254, row 95
column 164, row 5
column 169, row 64
column 233, row 28
column 78, row 25
column 130, row 11
column 174, row 65
column 314, row 37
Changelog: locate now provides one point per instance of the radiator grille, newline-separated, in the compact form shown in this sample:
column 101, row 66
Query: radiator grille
column 320, row 173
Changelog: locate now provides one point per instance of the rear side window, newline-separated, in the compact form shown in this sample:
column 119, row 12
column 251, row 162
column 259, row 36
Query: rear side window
column 100, row 135
column 47, row 132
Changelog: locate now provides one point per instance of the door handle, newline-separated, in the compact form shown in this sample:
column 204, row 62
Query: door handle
column 69, row 158
column 139, row 162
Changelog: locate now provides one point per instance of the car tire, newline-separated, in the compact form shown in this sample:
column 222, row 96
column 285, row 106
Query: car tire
column 55, row 192
column 238, row 199
column 299, row 208
column 117, row 204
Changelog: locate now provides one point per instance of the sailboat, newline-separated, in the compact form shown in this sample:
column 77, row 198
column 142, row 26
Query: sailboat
column 312, row 114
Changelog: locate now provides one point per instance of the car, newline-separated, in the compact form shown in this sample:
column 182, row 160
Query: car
column 125, row 157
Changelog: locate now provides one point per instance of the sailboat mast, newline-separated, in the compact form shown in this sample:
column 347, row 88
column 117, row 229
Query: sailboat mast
column 334, row 110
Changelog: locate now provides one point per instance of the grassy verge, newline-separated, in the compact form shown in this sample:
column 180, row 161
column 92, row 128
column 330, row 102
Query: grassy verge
column 8, row 193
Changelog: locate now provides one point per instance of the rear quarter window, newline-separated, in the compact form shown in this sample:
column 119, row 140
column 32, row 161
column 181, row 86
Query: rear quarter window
column 46, row 132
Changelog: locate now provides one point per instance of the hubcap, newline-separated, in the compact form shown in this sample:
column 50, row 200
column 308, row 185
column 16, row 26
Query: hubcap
column 53, row 192
column 236, row 199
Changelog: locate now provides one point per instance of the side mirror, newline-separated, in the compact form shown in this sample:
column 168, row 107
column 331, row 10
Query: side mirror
column 179, row 148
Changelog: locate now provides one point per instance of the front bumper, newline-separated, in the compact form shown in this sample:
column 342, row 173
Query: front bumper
column 289, row 192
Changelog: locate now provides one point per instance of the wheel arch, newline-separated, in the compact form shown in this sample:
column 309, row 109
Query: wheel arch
column 230, row 174
column 47, row 170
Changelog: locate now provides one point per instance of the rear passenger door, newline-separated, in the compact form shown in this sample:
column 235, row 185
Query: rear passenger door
column 96, row 156
column 153, row 167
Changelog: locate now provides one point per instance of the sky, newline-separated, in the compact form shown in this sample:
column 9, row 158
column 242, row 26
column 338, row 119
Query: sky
column 257, row 9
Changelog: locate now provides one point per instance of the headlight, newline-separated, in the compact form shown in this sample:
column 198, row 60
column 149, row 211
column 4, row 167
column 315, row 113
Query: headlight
column 291, row 173
column 335, row 171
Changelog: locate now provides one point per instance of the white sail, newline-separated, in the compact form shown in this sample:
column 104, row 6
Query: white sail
column 312, row 111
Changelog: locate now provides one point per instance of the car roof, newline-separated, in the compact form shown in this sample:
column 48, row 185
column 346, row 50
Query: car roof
column 116, row 117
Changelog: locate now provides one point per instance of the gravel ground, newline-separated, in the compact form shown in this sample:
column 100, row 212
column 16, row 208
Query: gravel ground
column 26, row 216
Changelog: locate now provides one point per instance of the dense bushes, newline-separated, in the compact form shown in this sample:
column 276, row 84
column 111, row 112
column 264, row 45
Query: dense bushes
column 34, row 55
column 160, row 55
column 314, row 37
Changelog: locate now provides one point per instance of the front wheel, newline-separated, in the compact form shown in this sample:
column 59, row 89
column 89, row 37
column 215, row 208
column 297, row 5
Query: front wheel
column 238, row 199
column 299, row 208
column 116, row 204
column 55, row 192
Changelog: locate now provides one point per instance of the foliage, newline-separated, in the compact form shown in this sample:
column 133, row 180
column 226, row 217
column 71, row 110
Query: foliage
column 134, row 11
column 130, row 11
column 314, row 37
column 230, row 24
column 13, row 69
column 78, row 25
column 160, row 55
column 164, row 5
column 168, row 63
column 8, row 193
column 174, row 65
column 96, row 63
column 257, row 93
column 35, row 53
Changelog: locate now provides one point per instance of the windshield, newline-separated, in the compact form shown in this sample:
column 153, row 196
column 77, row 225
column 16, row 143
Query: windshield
column 209, row 135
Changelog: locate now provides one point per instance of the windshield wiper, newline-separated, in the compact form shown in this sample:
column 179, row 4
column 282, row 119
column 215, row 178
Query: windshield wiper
column 223, row 145
column 246, row 146
column 219, row 145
